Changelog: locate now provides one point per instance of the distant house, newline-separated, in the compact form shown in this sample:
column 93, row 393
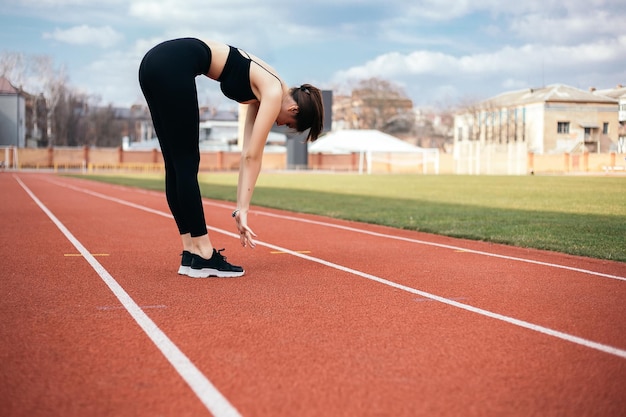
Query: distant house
column 619, row 93
column 553, row 119
column 23, row 117
column 12, row 115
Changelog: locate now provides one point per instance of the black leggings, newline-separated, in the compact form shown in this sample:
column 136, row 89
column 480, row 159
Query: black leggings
column 167, row 76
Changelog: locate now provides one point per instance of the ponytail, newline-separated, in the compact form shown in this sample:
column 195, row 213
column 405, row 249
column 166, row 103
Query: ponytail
column 310, row 110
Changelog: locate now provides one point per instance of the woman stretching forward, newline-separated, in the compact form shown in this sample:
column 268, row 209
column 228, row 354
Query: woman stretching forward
column 167, row 77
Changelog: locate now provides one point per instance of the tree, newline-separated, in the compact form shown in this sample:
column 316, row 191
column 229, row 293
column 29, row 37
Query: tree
column 40, row 120
column 38, row 75
column 375, row 104
column 55, row 86
column 13, row 67
column 379, row 103
column 108, row 131
column 61, row 115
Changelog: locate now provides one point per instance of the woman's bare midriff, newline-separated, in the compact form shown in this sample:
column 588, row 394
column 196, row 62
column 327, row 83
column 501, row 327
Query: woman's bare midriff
column 219, row 54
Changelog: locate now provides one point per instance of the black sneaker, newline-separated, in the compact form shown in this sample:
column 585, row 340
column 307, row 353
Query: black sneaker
column 185, row 263
column 214, row 267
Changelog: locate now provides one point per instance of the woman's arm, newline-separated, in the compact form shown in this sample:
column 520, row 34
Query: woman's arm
column 259, row 120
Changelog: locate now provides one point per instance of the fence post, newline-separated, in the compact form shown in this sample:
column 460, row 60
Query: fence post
column 220, row 160
column 531, row 162
column 86, row 155
column 9, row 156
column 50, row 156
column 566, row 162
column 586, row 161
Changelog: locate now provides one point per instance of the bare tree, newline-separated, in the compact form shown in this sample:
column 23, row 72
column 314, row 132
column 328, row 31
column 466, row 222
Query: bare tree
column 55, row 86
column 40, row 120
column 38, row 75
column 434, row 129
column 13, row 67
column 62, row 115
column 107, row 128
column 380, row 104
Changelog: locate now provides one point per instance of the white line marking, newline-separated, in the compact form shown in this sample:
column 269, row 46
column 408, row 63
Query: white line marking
column 213, row 400
column 106, row 308
column 441, row 245
column 353, row 229
column 520, row 323
column 564, row 336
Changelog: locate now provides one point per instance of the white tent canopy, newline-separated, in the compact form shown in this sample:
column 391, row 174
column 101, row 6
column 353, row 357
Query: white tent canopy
column 369, row 142
column 355, row 140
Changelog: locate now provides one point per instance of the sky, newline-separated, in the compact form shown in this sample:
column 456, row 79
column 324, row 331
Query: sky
column 441, row 53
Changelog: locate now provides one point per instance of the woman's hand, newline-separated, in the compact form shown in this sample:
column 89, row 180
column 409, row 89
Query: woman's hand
column 245, row 233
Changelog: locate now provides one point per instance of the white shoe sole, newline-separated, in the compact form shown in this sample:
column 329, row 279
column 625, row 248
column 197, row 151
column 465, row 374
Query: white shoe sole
column 207, row 272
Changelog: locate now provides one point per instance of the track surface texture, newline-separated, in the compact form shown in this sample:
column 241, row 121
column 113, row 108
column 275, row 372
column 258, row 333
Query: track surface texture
column 332, row 318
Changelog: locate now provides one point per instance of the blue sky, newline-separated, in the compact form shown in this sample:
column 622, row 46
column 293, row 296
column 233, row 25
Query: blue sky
column 441, row 52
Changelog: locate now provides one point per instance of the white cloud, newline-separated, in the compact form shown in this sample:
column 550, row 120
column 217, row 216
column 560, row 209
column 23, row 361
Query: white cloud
column 201, row 13
column 55, row 3
column 433, row 47
column 507, row 60
column 104, row 36
column 439, row 9
column 569, row 29
column 116, row 75
column 160, row 11
column 510, row 67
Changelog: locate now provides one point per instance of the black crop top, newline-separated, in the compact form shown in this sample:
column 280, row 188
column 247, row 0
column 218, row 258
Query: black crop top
column 235, row 78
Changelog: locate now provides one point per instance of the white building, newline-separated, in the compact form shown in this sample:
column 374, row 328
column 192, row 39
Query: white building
column 496, row 135
column 12, row 115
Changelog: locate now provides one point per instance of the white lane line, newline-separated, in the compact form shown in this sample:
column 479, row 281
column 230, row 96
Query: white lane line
column 441, row 245
column 356, row 230
column 555, row 333
column 213, row 400
column 520, row 323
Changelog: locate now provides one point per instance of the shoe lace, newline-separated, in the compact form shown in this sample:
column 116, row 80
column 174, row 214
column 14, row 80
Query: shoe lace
column 221, row 258
column 219, row 253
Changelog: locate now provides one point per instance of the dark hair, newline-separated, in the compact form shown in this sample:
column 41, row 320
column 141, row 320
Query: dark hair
column 310, row 110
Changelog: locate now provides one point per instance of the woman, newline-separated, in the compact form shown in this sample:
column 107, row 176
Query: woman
column 167, row 77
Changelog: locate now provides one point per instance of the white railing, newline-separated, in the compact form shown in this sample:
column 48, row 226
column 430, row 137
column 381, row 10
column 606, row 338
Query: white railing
column 8, row 157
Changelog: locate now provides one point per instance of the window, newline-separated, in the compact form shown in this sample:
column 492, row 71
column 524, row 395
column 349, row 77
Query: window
column 605, row 128
column 562, row 127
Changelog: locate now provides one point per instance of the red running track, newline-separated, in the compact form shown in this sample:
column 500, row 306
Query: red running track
column 332, row 318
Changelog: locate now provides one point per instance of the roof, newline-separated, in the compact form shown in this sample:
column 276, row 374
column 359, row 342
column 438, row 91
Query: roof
column 355, row 140
column 551, row 93
column 6, row 87
column 617, row 92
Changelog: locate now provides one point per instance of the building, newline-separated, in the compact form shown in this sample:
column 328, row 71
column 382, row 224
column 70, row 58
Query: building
column 496, row 135
column 12, row 115
column 619, row 93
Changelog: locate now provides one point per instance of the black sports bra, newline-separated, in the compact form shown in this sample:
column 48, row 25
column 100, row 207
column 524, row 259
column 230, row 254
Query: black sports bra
column 235, row 78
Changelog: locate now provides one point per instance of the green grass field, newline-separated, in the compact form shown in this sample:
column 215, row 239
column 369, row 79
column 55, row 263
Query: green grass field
column 579, row 215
